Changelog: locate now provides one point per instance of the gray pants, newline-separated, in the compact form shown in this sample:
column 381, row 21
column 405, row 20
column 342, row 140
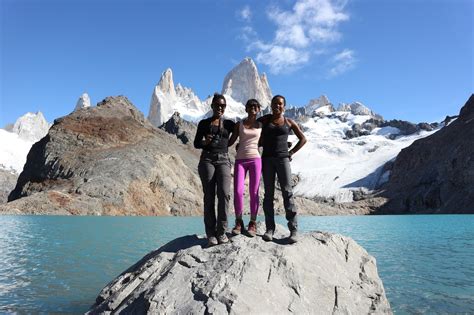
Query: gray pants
column 272, row 166
column 214, row 170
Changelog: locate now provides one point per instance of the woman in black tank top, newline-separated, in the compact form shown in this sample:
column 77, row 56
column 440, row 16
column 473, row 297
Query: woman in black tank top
column 276, row 161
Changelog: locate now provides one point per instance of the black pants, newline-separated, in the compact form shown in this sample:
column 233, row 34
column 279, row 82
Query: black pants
column 214, row 170
column 272, row 166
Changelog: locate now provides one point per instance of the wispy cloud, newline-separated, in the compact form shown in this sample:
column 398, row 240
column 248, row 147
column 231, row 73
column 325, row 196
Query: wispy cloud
column 300, row 33
column 245, row 13
column 342, row 62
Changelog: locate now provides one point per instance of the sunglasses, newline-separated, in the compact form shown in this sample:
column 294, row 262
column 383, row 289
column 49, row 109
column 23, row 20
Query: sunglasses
column 220, row 105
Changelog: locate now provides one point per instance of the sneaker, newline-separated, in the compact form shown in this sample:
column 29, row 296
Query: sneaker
column 238, row 227
column 252, row 229
column 222, row 239
column 212, row 241
column 293, row 237
column 268, row 236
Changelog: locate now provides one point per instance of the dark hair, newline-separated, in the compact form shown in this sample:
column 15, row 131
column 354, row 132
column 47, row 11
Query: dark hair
column 279, row 96
column 218, row 96
column 252, row 101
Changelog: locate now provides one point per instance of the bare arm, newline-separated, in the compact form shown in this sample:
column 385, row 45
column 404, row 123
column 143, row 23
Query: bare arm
column 235, row 134
column 301, row 138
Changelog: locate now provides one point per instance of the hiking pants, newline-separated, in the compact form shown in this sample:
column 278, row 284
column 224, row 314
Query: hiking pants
column 272, row 166
column 214, row 171
column 254, row 168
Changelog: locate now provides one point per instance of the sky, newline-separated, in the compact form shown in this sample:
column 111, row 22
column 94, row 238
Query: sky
column 404, row 59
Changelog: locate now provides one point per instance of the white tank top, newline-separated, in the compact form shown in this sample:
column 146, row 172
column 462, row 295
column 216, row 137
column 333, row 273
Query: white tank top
column 248, row 143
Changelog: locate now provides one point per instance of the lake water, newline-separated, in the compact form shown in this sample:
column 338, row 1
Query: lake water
column 59, row 264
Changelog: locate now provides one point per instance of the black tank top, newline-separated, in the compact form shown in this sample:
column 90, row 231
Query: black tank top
column 275, row 140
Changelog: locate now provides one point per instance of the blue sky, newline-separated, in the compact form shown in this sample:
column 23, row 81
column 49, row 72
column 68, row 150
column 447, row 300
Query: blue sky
column 410, row 60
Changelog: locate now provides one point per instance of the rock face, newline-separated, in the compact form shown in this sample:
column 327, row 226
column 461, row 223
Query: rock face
column 83, row 102
column 244, row 82
column 7, row 183
column 436, row 174
column 107, row 160
column 184, row 130
column 166, row 100
column 321, row 104
column 31, row 127
column 323, row 273
column 357, row 108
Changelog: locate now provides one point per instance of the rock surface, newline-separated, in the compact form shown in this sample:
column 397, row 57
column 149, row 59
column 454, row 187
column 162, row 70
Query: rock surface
column 31, row 126
column 323, row 273
column 107, row 160
column 83, row 102
column 7, row 183
column 436, row 174
column 182, row 129
column 168, row 99
column 244, row 82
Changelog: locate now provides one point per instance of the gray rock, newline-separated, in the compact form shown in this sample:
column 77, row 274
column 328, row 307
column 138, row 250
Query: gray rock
column 107, row 160
column 181, row 128
column 435, row 174
column 7, row 183
column 322, row 273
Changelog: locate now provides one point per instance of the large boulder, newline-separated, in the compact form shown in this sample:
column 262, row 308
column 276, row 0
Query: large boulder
column 436, row 174
column 323, row 273
column 7, row 183
column 107, row 160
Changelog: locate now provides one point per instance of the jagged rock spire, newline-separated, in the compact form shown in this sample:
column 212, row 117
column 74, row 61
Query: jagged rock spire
column 83, row 102
column 244, row 82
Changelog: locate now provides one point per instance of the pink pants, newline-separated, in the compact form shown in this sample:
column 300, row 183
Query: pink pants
column 254, row 167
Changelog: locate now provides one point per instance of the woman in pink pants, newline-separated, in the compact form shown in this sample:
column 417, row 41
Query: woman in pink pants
column 247, row 160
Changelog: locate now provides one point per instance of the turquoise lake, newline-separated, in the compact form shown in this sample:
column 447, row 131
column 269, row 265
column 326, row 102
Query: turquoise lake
column 56, row 264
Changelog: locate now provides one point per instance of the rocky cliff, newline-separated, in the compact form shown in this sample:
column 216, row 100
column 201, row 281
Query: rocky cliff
column 107, row 160
column 244, row 82
column 323, row 273
column 436, row 174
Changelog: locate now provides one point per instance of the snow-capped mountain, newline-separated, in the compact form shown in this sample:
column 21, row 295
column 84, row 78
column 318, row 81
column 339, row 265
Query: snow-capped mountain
column 241, row 84
column 166, row 99
column 83, row 102
column 16, row 143
column 244, row 82
column 31, row 126
column 333, row 167
column 358, row 108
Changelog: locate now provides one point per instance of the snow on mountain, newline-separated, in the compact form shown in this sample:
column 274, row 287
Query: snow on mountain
column 234, row 110
column 358, row 108
column 14, row 151
column 16, row 143
column 166, row 99
column 332, row 167
column 243, row 82
column 319, row 105
column 31, row 127
column 83, row 102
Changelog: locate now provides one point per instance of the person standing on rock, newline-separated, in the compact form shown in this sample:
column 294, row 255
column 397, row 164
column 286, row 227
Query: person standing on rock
column 247, row 160
column 276, row 161
column 212, row 136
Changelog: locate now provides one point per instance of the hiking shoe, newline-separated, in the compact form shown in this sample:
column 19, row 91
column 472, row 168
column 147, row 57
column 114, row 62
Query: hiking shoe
column 222, row 239
column 252, row 229
column 238, row 227
column 212, row 241
column 268, row 236
column 293, row 237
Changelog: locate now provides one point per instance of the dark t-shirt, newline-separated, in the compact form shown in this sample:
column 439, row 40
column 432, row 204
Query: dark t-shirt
column 274, row 138
column 221, row 135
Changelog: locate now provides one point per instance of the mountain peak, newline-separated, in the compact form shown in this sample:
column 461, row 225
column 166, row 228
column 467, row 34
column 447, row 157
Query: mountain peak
column 83, row 102
column 244, row 82
column 31, row 126
column 166, row 83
